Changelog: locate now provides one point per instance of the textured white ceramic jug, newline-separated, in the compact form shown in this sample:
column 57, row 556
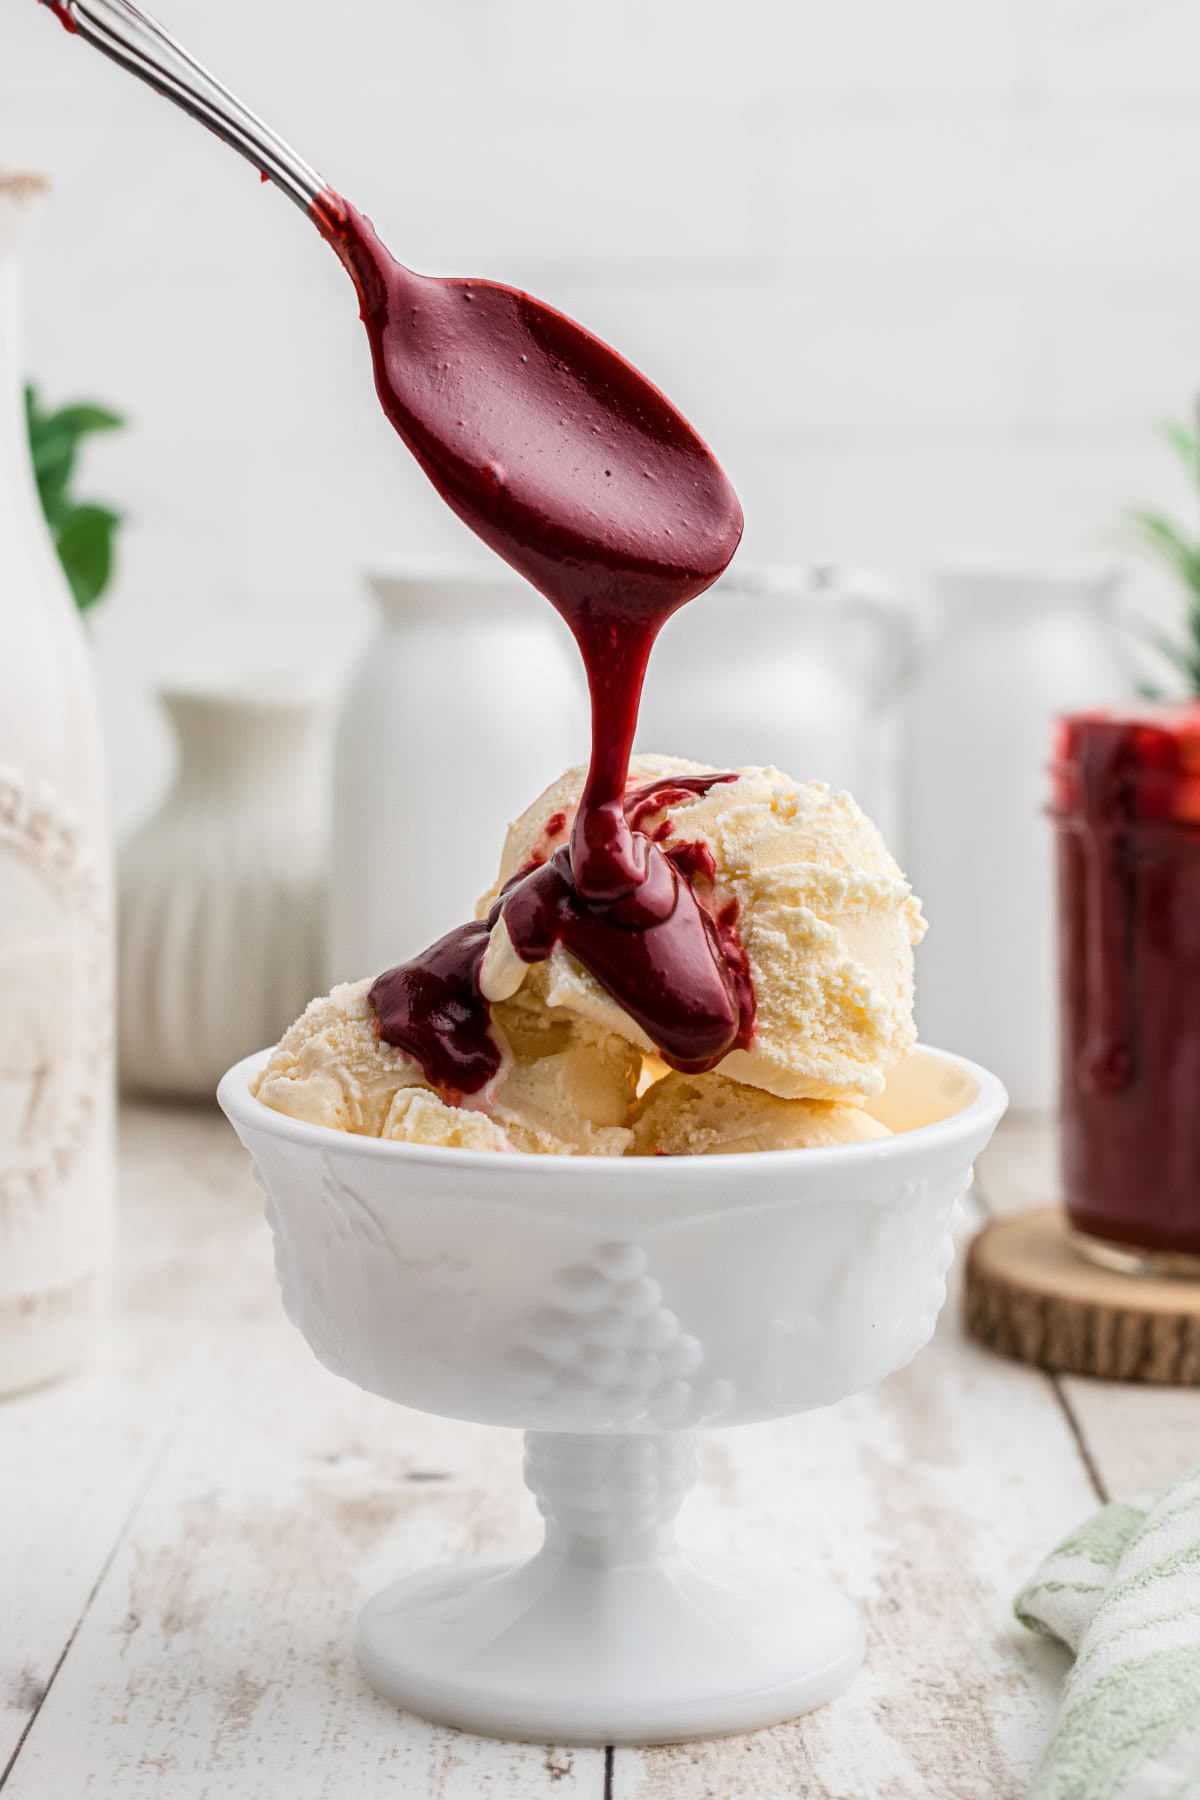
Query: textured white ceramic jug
column 1012, row 646
column 466, row 703
column 223, row 890
column 56, row 1174
column 795, row 667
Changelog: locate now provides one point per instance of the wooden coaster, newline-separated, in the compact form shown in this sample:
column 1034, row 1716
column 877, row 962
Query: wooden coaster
column 1031, row 1295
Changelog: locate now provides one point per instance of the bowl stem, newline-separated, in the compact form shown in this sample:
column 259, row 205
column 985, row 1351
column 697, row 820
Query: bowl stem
column 610, row 1499
column 610, row 1634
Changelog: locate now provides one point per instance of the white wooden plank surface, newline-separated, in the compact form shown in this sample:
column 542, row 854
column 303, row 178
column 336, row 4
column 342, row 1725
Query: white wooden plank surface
column 1132, row 1437
column 74, row 1458
column 929, row 1500
column 191, row 1526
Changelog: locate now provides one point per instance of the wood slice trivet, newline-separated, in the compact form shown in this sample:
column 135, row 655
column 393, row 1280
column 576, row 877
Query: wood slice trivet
column 1031, row 1295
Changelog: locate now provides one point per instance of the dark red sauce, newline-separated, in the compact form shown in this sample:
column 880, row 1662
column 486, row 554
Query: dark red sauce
column 62, row 15
column 582, row 476
column 1127, row 809
column 669, row 954
column 432, row 1009
column 694, row 860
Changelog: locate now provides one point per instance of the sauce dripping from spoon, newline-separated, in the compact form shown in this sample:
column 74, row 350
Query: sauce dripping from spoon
column 586, row 480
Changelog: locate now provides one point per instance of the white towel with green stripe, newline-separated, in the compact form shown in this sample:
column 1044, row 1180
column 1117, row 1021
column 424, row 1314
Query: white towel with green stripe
column 1123, row 1594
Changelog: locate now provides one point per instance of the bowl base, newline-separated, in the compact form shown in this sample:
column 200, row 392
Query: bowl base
column 561, row 1650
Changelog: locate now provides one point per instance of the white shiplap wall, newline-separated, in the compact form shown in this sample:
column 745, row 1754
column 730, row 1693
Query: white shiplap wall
column 924, row 275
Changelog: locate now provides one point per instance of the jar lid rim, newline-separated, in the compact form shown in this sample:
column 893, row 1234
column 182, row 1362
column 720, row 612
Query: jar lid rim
column 1171, row 718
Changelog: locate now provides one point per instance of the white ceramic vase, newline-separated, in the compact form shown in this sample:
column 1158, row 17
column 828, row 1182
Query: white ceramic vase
column 797, row 667
column 1012, row 646
column 222, row 892
column 56, row 1104
column 467, row 701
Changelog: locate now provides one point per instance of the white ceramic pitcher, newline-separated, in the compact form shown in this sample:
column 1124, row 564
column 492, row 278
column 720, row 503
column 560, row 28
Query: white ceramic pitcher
column 796, row 667
column 56, row 1104
column 1012, row 645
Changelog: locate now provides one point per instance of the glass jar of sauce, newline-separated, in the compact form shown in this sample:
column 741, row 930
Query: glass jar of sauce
column 1126, row 806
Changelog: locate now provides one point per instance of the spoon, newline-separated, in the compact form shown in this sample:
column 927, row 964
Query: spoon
column 551, row 447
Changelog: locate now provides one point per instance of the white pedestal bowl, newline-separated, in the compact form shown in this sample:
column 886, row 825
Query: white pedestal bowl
column 609, row 1308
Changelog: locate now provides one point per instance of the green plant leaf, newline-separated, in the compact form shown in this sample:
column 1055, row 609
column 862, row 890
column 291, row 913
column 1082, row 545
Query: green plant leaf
column 1178, row 552
column 55, row 442
column 1186, row 445
column 84, row 417
column 53, row 467
column 84, row 533
column 85, row 548
column 1168, row 544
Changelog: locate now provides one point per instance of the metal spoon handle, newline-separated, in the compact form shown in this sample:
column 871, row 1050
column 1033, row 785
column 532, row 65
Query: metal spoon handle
column 138, row 43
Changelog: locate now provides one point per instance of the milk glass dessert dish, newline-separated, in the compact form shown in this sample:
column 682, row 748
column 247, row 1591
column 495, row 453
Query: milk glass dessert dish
column 610, row 1307
column 610, row 1254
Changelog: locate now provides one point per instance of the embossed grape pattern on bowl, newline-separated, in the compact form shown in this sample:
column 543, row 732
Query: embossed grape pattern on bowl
column 609, row 1308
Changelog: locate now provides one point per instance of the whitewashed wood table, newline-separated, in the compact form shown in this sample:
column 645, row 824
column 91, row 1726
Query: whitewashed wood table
column 188, row 1529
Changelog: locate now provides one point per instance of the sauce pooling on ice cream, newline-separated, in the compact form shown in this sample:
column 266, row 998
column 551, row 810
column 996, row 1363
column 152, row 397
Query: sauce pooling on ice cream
column 675, row 966
column 583, row 477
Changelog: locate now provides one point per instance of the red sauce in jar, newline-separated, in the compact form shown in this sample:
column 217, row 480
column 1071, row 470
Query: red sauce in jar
column 1127, row 811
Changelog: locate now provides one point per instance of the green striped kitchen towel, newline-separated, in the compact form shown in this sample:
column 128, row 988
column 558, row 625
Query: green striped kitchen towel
column 1123, row 1594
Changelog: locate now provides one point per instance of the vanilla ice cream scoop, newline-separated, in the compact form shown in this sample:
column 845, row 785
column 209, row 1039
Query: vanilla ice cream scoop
column 565, row 1087
column 329, row 1067
column 709, row 1115
column 827, row 921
